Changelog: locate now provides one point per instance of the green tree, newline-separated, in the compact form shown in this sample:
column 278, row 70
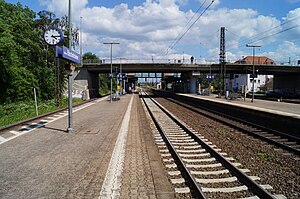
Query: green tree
column 45, row 20
column 18, row 52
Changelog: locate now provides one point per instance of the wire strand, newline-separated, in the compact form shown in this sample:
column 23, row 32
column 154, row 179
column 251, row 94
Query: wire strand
column 179, row 38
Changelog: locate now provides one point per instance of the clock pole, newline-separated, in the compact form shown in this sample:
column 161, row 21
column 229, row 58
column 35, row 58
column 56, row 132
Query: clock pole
column 70, row 119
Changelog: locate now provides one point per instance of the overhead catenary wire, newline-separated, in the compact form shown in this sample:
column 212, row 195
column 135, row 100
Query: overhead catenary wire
column 186, row 25
column 261, row 35
column 189, row 27
column 194, row 15
column 277, row 33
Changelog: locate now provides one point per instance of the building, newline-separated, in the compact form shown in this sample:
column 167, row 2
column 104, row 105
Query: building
column 258, row 60
column 239, row 81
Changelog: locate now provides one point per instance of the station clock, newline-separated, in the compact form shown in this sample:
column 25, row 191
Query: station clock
column 53, row 36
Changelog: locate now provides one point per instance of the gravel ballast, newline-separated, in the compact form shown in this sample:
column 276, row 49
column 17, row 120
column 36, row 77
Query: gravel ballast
column 275, row 167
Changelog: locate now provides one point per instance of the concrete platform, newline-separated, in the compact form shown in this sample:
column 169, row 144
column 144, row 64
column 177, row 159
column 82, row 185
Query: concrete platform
column 281, row 108
column 48, row 162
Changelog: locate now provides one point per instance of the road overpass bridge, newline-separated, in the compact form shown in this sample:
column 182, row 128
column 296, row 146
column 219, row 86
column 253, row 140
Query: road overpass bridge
column 185, row 68
column 284, row 76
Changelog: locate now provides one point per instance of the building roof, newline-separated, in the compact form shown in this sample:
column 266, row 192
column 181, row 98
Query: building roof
column 257, row 60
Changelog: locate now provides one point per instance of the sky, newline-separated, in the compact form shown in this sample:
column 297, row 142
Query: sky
column 177, row 29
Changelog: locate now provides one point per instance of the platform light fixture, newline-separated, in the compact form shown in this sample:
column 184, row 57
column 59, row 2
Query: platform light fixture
column 253, row 68
column 111, row 44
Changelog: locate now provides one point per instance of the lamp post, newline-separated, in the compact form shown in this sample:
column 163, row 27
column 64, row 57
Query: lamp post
column 70, row 123
column 253, row 68
column 199, row 52
column 121, row 78
column 81, row 41
column 111, row 44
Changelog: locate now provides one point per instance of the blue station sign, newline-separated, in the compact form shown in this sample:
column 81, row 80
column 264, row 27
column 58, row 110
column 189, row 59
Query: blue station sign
column 68, row 54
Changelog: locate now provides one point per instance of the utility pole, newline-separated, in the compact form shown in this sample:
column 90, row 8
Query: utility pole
column 111, row 74
column 81, row 41
column 121, row 78
column 253, row 68
column 222, row 58
column 70, row 123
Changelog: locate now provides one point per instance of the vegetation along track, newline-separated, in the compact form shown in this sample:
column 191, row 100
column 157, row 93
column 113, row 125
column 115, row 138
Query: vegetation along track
column 14, row 130
column 277, row 138
column 197, row 168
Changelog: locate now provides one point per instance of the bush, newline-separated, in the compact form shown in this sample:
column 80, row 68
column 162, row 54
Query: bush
column 18, row 111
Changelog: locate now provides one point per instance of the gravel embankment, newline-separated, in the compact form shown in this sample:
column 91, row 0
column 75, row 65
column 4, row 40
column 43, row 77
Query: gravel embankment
column 275, row 167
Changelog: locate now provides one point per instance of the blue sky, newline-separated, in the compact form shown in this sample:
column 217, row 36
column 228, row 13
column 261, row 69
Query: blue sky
column 146, row 28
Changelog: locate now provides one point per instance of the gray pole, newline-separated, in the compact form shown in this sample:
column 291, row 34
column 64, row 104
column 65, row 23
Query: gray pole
column 69, row 25
column 253, row 68
column 121, row 82
column 210, row 78
column 121, row 91
column 35, row 102
column 111, row 73
column 111, row 43
column 81, row 41
column 70, row 75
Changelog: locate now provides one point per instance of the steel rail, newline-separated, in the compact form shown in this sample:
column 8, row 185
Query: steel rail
column 210, row 113
column 251, row 184
column 191, row 181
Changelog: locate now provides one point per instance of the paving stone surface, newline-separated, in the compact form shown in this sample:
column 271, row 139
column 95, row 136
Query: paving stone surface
column 144, row 175
column 51, row 163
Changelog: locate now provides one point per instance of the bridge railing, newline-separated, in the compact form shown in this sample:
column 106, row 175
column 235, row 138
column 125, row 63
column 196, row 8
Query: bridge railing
column 140, row 61
column 172, row 61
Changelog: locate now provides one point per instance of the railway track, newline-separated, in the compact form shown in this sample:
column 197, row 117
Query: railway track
column 197, row 168
column 276, row 138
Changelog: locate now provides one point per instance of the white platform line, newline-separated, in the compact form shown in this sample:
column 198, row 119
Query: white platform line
column 24, row 128
column 45, row 121
column 27, row 129
column 2, row 139
column 15, row 132
column 37, row 125
column 112, row 182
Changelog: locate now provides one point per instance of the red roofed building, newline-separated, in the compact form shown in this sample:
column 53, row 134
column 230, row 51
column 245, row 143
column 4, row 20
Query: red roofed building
column 240, row 80
column 258, row 60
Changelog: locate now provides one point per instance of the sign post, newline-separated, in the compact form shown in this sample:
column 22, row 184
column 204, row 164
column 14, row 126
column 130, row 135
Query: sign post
column 73, row 57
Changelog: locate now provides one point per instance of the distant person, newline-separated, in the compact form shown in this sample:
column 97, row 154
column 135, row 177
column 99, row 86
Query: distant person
column 192, row 60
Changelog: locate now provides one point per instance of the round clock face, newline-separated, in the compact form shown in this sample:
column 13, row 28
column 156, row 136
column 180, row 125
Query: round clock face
column 53, row 36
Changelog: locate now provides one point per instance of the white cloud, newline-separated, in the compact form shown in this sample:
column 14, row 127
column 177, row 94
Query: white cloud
column 60, row 8
column 147, row 30
column 285, row 51
column 208, row 2
column 292, row 20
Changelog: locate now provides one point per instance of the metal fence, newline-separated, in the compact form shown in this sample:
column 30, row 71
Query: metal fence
column 144, row 61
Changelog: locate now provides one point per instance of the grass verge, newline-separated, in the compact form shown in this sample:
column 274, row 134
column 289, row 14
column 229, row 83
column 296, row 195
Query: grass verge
column 18, row 111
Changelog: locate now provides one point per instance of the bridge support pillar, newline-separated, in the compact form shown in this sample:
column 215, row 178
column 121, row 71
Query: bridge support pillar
column 86, row 83
column 287, row 84
column 193, row 85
